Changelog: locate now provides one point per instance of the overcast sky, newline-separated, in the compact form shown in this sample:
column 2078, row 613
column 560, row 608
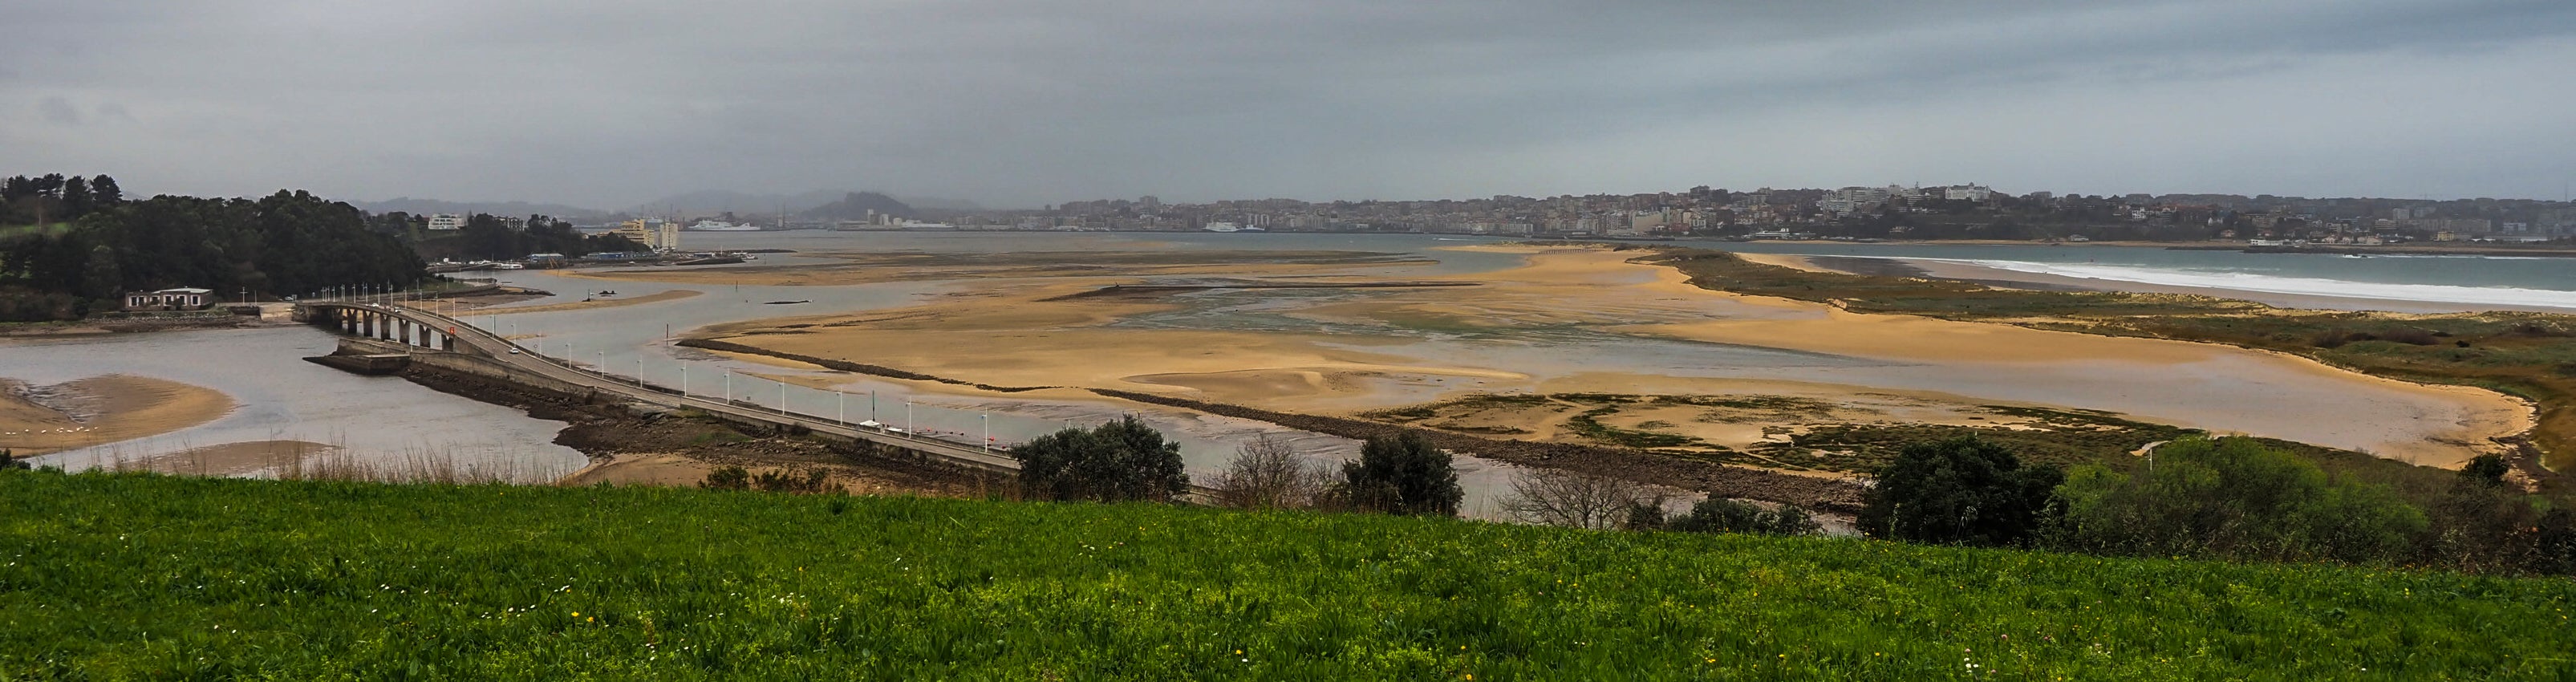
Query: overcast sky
column 610, row 103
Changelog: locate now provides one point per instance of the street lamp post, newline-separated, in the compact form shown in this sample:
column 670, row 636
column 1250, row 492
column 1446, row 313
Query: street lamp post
column 987, row 420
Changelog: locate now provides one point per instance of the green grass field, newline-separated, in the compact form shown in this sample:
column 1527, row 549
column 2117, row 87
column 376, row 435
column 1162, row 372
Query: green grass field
column 126, row 576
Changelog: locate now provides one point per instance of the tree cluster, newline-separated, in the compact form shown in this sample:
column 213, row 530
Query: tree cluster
column 488, row 237
column 285, row 243
column 2223, row 498
column 55, row 198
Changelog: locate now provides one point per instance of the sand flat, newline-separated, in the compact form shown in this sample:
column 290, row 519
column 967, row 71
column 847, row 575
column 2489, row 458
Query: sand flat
column 103, row 409
column 1390, row 347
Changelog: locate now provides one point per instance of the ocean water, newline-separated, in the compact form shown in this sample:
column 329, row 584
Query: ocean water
column 2469, row 281
column 2466, row 281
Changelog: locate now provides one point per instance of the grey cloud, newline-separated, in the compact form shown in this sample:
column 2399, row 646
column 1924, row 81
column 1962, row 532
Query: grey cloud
column 1023, row 102
column 59, row 111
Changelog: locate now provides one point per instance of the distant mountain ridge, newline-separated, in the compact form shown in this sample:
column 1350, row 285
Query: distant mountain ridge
column 498, row 208
column 713, row 201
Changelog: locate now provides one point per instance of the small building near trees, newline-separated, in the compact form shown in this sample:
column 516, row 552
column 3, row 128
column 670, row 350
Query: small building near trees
column 183, row 298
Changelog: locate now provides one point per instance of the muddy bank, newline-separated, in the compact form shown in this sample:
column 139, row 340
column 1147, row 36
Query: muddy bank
column 613, row 431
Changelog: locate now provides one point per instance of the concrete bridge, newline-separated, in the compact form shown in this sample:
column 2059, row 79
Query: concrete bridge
column 441, row 341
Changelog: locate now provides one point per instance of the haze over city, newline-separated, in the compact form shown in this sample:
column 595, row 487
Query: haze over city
column 608, row 105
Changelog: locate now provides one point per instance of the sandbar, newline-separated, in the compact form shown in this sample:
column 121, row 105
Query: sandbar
column 100, row 410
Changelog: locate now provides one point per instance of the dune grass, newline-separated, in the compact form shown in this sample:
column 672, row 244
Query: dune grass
column 108, row 576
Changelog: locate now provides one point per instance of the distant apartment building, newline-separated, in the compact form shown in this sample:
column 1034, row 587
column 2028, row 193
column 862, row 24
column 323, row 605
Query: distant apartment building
column 447, row 221
column 1652, row 222
column 654, row 233
column 1967, row 193
column 2460, row 226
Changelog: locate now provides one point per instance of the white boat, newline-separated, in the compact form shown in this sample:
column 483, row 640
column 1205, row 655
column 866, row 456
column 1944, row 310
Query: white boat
column 1222, row 226
column 722, row 226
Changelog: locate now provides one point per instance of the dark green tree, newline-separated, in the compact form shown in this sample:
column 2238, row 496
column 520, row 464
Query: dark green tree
column 100, row 278
column 1121, row 461
column 1959, row 491
column 2488, row 469
column 76, row 197
column 486, row 236
column 1402, row 475
column 104, row 193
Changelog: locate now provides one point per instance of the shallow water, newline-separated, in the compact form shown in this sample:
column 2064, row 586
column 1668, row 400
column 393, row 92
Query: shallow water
column 282, row 397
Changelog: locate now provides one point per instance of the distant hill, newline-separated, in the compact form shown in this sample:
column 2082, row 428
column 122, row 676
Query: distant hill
column 857, row 205
column 714, row 201
column 498, row 208
column 709, row 202
column 939, row 204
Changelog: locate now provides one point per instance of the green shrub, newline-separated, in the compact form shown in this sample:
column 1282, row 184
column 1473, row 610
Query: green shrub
column 1402, row 475
column 727, row 478
column 1721, row 515
column 1120, row 461
column 2233, row 498
column 1960, row 491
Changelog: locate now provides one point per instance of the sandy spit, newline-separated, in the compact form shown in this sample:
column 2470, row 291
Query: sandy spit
column 102, row 409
